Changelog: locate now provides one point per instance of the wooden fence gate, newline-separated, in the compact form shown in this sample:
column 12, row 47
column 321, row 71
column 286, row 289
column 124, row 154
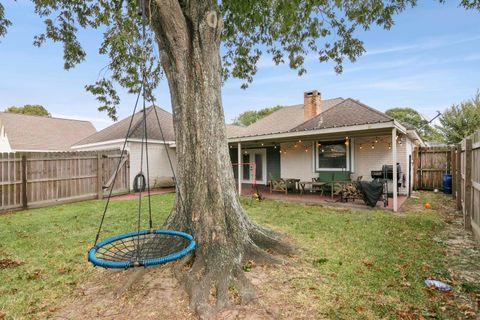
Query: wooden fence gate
column 38, row 179
column 429, row 166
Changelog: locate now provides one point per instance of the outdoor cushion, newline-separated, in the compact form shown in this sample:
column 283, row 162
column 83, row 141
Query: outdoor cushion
column 341, row 176
column 326, row 176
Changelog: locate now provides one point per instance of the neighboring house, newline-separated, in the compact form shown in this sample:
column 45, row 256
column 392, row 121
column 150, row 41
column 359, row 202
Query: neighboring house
column 324, row 136
column 113, row 137
column 25, row 133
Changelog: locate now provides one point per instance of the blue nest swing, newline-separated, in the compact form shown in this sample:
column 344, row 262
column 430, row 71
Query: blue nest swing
column 143, row 247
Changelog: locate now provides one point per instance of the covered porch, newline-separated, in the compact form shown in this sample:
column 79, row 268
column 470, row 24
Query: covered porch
column 317, row 199
column 348, row 155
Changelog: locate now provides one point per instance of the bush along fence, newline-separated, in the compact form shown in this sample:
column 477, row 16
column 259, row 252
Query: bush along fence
column 38, row 179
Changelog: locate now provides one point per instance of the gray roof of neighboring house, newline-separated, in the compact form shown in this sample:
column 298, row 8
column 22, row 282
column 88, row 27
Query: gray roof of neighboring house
column 119, row 130
column 347, row 113
column 282, row 120
column 35, row 133
column 234, row 130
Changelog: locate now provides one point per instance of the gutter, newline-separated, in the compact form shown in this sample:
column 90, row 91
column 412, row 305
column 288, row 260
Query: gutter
column 290, row 134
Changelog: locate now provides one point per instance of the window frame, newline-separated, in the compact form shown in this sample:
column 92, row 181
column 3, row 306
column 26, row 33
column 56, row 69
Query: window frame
column 347, row 153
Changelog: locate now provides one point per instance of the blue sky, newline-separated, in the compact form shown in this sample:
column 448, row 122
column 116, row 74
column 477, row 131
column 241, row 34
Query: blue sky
column 429, row 60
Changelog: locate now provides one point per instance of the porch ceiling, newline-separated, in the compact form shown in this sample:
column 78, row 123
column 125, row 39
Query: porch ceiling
column 310, row 137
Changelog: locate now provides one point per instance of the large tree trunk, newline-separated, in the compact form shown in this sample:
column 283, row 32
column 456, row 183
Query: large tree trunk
column 207, row 204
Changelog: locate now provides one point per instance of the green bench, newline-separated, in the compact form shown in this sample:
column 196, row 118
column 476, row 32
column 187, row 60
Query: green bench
column 335, row 178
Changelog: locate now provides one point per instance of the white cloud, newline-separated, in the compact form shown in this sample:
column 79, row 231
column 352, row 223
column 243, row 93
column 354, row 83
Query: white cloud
column 427, row 44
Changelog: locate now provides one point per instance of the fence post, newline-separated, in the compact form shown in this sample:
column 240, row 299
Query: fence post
column 453, row 170
column 99, row 177
column 458, row 181
column 415, row 168
column 468, row 184
column 24, row 182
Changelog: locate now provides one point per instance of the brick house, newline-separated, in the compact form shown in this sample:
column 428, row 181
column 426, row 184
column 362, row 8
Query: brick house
column 334, row 135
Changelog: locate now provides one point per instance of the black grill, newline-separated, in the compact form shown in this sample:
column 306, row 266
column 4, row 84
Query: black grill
column 386, row 172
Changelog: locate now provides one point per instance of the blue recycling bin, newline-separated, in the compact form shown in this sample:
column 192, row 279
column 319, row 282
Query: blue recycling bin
column 447, row 183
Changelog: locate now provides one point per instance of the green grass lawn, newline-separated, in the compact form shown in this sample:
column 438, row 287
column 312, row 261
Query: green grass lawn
column 373, row 262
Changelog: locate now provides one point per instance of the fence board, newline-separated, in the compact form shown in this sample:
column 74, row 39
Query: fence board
column 47, row 178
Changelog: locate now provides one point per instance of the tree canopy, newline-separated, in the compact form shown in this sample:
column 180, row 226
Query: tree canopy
column 30, row 109
column 248, row 117
column 412, row 119
column 287, row 31
column 461, row 120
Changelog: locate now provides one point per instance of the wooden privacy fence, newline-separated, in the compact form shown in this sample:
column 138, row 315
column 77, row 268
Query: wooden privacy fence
column 429, row 166
column 38, row 179
column 466, row 180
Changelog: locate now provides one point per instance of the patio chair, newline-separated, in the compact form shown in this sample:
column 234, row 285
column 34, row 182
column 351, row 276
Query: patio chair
column 326, row 177
column 317, row 188
column 282, row 185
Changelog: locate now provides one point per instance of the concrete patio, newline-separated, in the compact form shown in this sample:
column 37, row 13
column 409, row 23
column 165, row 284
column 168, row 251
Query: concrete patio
column 316, row 198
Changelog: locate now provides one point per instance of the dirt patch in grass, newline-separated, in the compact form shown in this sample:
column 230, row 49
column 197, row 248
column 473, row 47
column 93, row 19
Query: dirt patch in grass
column 9, row 263
column 154, row 293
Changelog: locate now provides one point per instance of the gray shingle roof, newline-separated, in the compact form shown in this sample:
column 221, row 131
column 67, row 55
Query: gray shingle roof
column 282, row 120
column 347, row 113
column 234, row 130
column 25, row 132
column 119, row 130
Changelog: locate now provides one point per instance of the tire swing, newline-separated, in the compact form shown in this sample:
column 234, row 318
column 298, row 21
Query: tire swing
column 142, row 247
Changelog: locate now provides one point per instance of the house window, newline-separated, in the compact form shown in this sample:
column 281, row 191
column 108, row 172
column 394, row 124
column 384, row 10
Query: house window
column 332, row 156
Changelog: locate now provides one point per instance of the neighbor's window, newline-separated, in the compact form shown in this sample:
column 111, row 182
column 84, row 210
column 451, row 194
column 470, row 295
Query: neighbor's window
column 332, row 155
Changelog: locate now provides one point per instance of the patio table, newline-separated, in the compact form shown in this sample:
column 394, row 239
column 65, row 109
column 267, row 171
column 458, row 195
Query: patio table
column 302, row 185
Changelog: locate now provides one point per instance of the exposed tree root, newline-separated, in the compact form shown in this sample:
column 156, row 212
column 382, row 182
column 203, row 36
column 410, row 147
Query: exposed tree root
column 210, row 275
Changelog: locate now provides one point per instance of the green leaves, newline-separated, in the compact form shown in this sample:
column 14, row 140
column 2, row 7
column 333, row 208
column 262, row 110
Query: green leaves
column 288, row 31
column 131, row 56
column 30, row 109
column 461, row 120
column 248, row 117
column 4, row 23
column 293, row 30
column 107, row 96
column 413, row 120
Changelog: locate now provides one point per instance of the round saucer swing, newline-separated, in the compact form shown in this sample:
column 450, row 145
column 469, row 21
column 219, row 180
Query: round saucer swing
column 142, row 247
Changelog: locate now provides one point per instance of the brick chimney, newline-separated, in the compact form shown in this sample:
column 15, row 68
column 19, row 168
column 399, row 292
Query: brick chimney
column 312, row 104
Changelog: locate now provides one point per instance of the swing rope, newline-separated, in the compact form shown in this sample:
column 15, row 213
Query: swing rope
column 141, row 247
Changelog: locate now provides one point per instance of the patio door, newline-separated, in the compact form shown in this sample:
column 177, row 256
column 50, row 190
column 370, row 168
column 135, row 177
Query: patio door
column 259, row 158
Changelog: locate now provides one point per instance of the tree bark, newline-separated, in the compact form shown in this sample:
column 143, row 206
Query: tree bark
column 207, row 204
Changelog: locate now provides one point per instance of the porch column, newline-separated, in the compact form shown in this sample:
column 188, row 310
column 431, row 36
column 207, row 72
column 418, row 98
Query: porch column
column 394, row 161
column 240, row 167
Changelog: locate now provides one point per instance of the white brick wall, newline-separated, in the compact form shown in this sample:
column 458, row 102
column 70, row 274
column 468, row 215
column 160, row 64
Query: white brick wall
column 298, row 163
column 295, row 162
column 368, row 159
